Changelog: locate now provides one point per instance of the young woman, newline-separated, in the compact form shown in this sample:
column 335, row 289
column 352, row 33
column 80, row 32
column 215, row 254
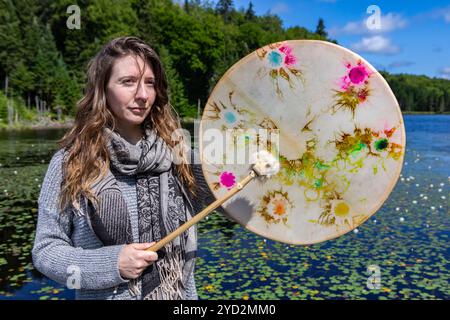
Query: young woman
column 114, row 188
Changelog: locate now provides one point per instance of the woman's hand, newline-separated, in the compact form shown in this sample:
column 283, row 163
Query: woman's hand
column 133, row 260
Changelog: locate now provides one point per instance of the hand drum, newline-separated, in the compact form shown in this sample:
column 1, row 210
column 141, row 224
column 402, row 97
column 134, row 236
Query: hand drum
column 334, row 125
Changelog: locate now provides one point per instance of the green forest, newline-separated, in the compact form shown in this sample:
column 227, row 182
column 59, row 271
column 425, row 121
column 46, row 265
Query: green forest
column 42, row 60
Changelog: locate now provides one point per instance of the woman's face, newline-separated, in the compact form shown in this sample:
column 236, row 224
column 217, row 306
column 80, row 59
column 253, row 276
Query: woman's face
column 130, row 92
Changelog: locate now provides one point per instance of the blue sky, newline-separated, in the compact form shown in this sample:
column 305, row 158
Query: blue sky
column 414, row 35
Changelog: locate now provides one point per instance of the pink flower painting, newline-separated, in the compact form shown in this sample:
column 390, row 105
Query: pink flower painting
column 353, row 87
column 227, row 179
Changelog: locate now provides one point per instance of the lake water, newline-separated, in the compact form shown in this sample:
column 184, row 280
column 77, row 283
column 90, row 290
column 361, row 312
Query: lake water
column 406, row 240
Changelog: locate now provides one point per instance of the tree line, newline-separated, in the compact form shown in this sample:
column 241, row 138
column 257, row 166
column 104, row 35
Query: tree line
column 43, row 62
column 418, row 93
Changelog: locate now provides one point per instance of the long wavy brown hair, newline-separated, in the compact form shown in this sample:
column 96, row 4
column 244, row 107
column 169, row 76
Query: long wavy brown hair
column 87, row 159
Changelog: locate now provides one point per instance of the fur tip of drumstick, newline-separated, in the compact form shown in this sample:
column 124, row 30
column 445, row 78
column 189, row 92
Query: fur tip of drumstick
column 265, row 164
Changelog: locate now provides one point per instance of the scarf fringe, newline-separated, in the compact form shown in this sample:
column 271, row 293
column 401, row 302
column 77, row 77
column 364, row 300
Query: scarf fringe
column 170, row 271
column 133, row 288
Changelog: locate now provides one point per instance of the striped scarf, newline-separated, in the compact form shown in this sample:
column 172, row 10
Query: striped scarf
column 162, row 207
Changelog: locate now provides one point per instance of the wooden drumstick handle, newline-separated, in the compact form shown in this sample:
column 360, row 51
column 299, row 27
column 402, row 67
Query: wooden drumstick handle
column 161, row 243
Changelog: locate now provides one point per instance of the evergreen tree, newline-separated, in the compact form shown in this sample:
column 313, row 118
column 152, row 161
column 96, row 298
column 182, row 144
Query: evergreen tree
column 177, row 95
column 320, row 29
column 22, row 79
column 186, row 6
column 250, row 13
column 225, row 8
column 10, row 39
column 197, row 42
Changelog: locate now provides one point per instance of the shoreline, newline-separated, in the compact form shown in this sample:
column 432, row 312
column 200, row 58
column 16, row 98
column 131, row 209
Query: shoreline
column 42, row 125
column 38, row 125
column 409, row 113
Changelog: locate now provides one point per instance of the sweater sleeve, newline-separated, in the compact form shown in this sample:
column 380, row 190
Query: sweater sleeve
column 54, row 254
column 191, row 290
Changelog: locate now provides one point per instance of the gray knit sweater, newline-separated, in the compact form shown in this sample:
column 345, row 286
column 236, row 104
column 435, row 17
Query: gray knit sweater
column 66, row 245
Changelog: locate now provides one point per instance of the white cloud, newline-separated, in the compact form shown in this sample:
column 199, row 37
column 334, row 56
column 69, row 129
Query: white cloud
column 391, row 22
column 446, row 14
column 388, row 23
column 279, row 8
column 400, row 64
column 353, row 27
column 445, row 73
column 376, row 44
column 441, row 13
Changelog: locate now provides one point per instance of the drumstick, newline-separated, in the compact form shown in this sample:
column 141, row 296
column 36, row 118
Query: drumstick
column 265, row 166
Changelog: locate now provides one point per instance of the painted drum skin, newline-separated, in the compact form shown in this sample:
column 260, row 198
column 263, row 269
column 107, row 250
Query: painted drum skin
column 330, row 119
